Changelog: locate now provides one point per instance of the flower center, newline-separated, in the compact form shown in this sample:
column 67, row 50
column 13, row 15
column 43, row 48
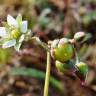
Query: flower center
column 15, row 34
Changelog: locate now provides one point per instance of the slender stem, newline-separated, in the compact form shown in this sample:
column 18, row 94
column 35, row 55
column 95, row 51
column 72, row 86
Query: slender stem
column 76, row 56
column 47, row 78
column 44, row 45
column 48, row 68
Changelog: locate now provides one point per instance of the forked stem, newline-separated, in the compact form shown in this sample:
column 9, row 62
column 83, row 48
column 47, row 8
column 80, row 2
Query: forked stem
column 48, row 68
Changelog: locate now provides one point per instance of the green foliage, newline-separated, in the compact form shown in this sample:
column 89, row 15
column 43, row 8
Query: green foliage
column 37, row 74
column 5, row 55
column 89, row 17
column 40, row 3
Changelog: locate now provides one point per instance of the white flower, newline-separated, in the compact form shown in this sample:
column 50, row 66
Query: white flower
column 14, row 33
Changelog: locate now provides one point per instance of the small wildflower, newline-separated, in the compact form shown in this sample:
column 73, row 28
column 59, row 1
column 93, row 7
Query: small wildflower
column 14, row 32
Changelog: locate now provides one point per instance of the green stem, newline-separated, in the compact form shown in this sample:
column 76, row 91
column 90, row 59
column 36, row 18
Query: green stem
column 48, row 68
column 76, row 56
column 44, row 45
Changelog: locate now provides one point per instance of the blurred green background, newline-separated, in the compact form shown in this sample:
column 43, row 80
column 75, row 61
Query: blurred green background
column 23, row 74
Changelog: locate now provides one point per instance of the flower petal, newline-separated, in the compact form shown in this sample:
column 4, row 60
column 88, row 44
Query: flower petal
column 9, row 43
column 17, row 46
column 3, row 32
column 19, row 19
column 11, row 21
column 21, row 38
column 24, row 26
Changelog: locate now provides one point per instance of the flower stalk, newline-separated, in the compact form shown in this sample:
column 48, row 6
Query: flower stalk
column 42, row 44
column 47, row 78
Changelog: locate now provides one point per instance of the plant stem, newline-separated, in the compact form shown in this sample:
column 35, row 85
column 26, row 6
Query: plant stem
column 44, row 45
column 47, row 78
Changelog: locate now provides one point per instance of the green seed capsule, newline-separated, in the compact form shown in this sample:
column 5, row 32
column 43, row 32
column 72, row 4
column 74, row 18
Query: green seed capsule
column 82, row 71
column 65, row 67
column 64, row 51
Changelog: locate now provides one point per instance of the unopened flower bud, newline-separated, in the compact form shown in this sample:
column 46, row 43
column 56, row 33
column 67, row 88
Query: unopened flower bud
column 79, row 36
column 63, row 50
column 82, row 71
column 55, row 43
column 66, row 67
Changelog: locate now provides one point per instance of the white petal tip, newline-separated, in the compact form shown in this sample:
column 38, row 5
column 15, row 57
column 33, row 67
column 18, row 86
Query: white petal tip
column 11, row 21
column 24, row 26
